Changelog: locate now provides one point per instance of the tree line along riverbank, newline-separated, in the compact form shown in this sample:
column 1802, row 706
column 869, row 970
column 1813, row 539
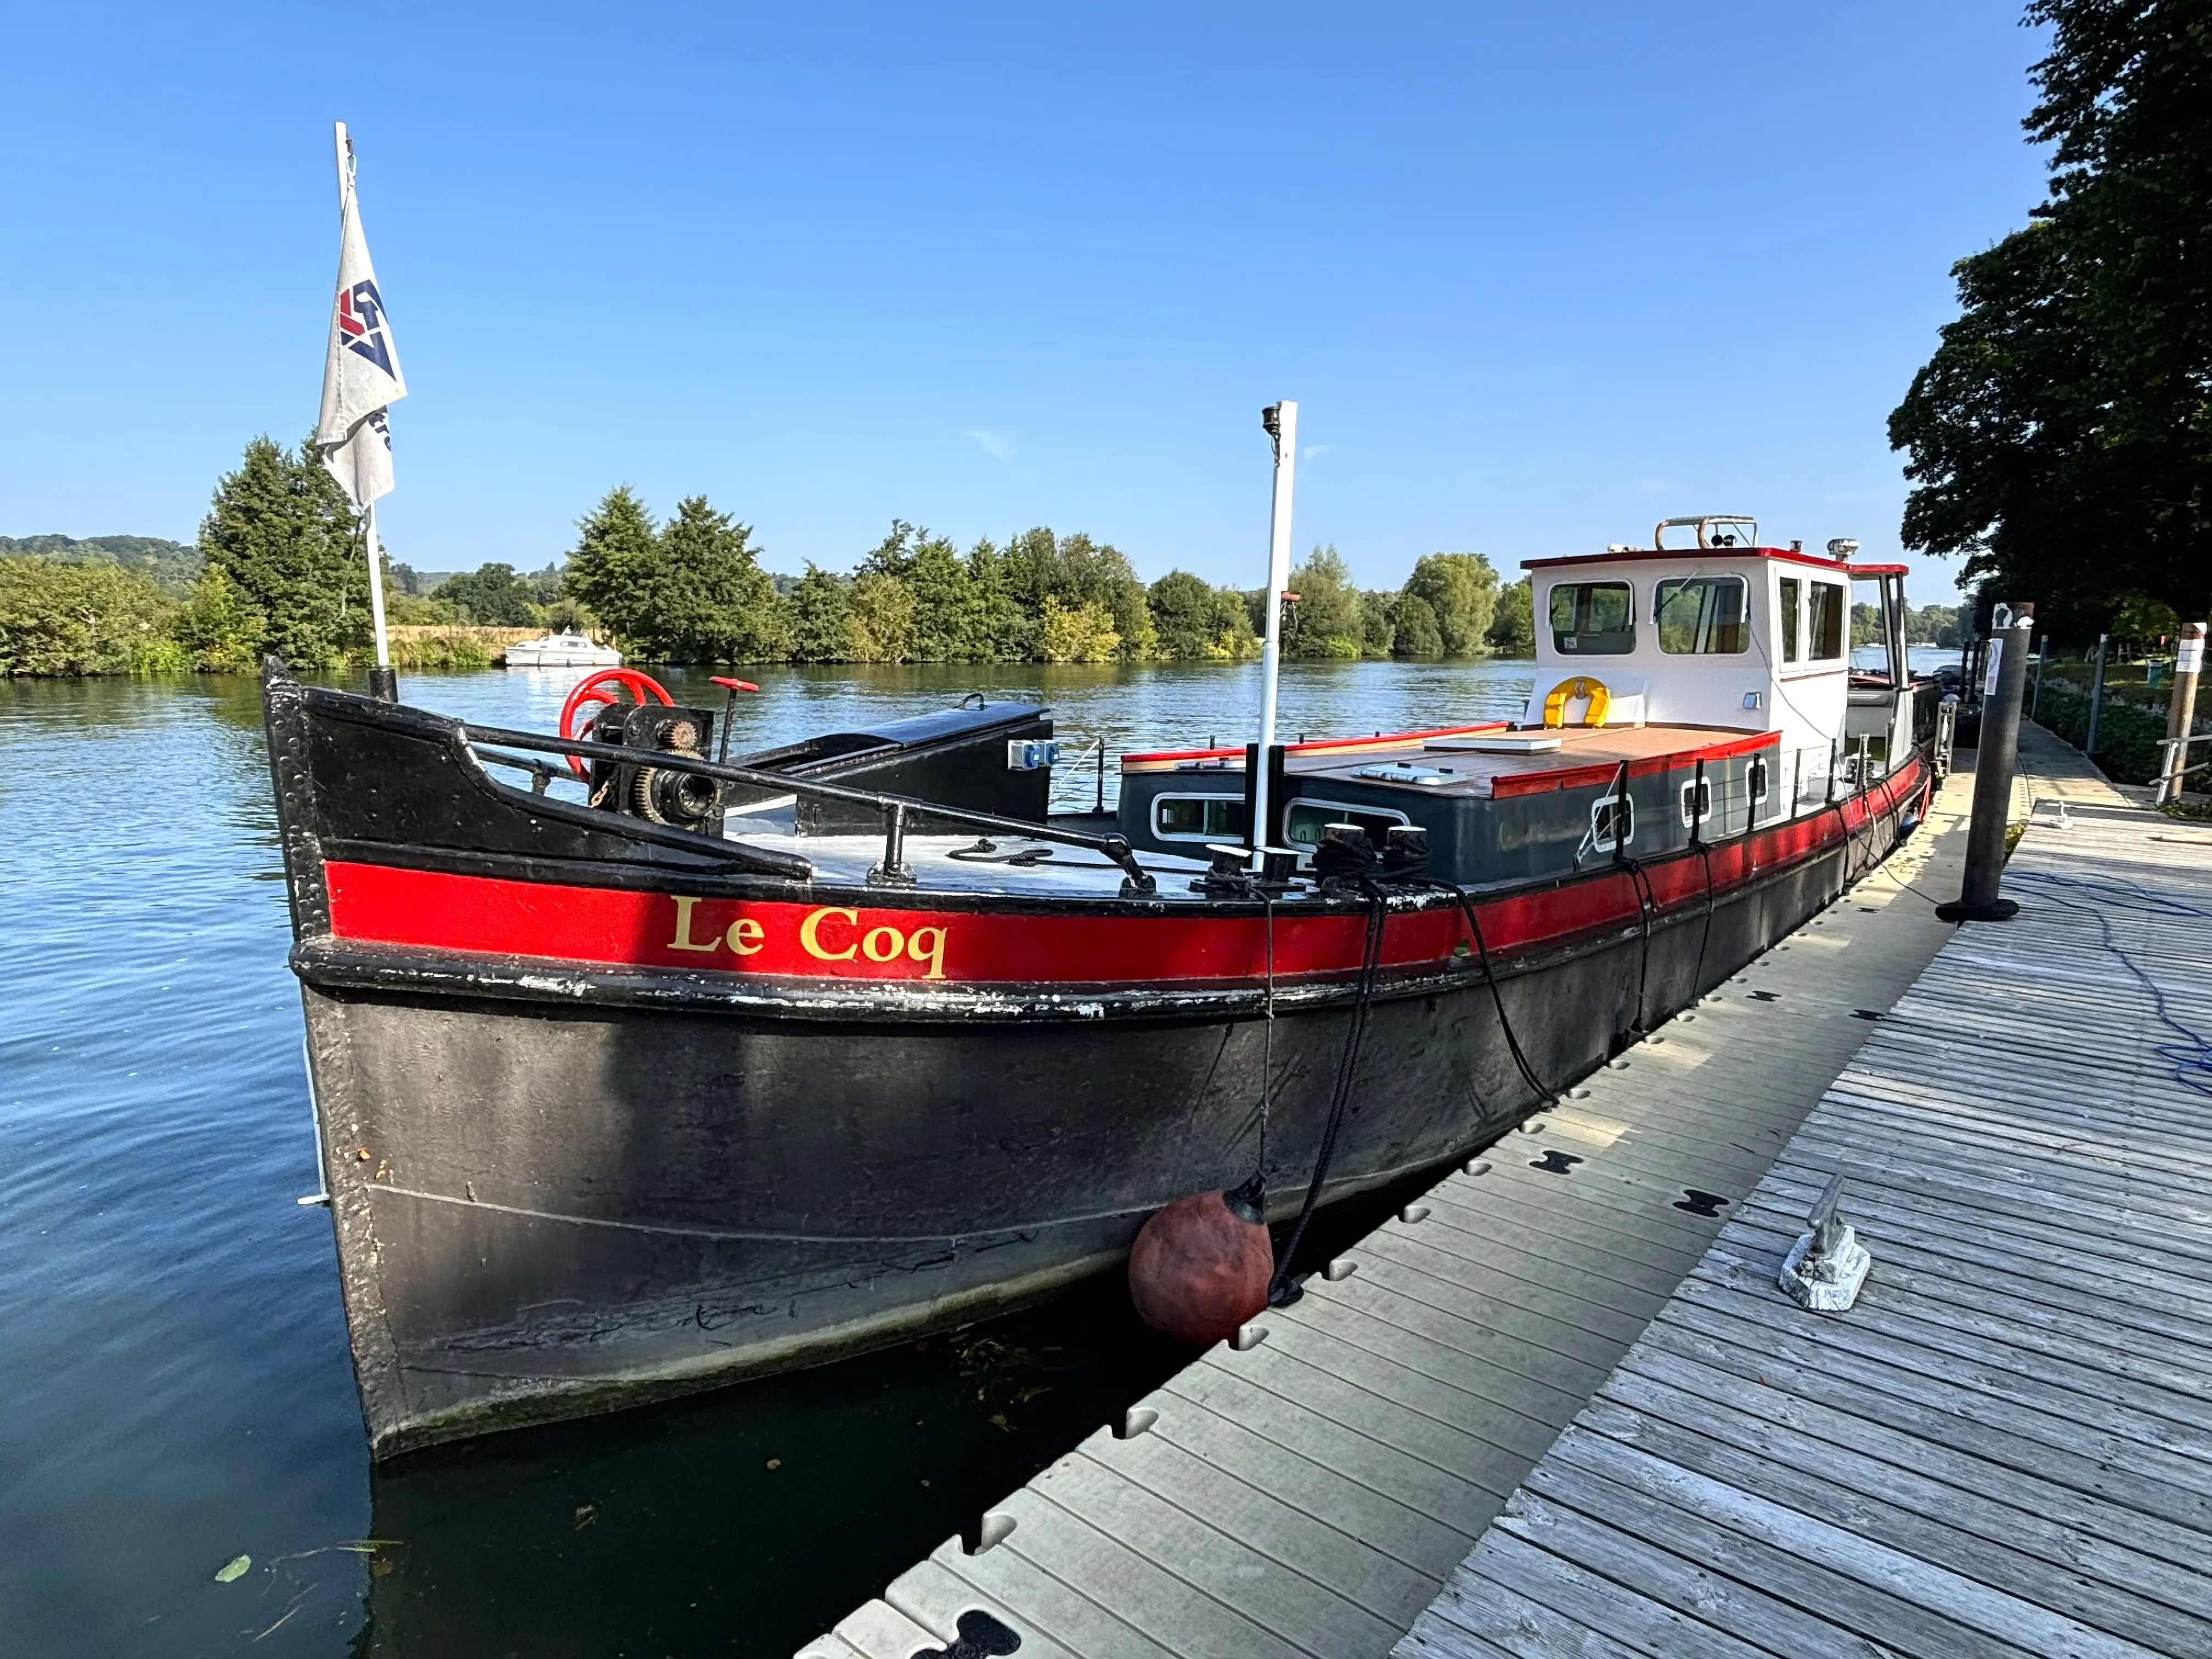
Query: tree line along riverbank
column 278, row 567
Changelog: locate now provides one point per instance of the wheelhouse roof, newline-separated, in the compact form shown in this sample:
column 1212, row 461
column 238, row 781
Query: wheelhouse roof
column 1706, row 555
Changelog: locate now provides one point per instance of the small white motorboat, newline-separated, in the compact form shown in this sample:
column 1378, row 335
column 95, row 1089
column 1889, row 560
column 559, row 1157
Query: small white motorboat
column 566, row 650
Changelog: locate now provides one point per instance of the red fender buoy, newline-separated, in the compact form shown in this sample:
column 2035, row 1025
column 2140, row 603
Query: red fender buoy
column 1199, row 1267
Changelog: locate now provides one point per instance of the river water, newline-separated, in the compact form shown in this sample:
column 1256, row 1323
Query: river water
column 175, row 1390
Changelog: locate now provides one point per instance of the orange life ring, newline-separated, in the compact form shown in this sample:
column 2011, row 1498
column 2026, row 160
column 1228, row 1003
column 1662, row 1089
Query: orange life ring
column 1581, row 685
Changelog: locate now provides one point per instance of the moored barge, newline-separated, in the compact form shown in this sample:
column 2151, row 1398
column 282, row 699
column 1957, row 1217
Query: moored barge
column 637, row 1070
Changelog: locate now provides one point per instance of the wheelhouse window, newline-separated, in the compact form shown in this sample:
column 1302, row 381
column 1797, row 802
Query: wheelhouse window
column 1199, row 818
column 1828, row 603
column 1593, row 619
column 1303, row 821
column 1701, row 616
column 1793, row 599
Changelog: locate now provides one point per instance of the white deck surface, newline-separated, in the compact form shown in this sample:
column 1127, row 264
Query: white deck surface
column 2005, row 1449
column 1312, row 1492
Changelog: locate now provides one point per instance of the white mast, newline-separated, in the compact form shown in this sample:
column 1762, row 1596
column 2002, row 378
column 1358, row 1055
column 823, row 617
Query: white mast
column 375, row 548
column 1281, row 420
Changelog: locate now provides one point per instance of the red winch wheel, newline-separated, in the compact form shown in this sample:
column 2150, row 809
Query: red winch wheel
column 595, row 689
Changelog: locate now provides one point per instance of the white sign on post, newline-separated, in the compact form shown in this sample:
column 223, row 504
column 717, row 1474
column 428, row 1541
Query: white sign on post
column 1996, row 656
column 2190, row 659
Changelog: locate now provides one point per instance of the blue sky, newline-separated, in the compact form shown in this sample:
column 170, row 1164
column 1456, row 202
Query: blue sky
column 1536, row 275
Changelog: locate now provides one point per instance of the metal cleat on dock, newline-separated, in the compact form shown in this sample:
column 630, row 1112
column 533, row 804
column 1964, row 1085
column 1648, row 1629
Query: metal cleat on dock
column 1827, row 1265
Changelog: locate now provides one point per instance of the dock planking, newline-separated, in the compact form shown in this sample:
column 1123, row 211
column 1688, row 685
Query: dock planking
column 2003, row 1448
column 1310, row 1491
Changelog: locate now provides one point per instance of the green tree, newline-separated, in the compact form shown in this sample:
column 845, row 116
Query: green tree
column 880, row 619
column 1182, row 616
column 1931, row 625
column 1074, row 571
column 947, row 620
column 73, row 619
column 2061, row 436
column 1328, row 620
column 1005, row 626
column 616, row 542
column 1078, row 633
column 695, row 592
column 1194, row 622
column 1462, row 590
column 1416, row 633
column 282, row 534
column 493, row 596
column 821, row 618
column 1378, row 621
column 1512, row 631
column 219, row 628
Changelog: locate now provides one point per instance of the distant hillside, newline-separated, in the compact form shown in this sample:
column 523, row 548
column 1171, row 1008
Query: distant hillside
column 172, row 564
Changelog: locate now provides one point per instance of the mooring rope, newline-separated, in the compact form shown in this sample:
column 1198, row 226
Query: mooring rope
column 1286, row 1288
column 1549, row 1096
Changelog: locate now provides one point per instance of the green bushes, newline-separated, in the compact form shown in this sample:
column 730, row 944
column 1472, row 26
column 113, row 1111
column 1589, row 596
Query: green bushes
column 2128, row 737
column 68, row 619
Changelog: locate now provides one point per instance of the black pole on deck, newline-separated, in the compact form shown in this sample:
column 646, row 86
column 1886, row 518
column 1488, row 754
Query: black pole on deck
column 384, row 683
column 2003, row 685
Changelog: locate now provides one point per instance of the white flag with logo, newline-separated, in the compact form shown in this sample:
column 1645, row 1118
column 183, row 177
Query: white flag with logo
column 361, row 373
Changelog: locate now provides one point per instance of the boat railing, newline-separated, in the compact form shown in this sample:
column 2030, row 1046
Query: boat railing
column 900, row 812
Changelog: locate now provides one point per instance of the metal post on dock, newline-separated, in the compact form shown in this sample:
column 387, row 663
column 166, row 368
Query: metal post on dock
column 2035, row 702
column 2181, row 714
column 2003, row 687
column 2096, row 695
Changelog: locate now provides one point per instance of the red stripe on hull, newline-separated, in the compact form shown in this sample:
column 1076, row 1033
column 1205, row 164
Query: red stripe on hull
column 869, row 941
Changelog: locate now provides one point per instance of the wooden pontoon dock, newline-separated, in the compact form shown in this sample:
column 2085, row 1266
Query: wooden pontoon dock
column 1560, row 1406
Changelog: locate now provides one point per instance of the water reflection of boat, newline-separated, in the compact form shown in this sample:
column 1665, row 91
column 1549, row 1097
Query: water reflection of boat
column 725, row 1068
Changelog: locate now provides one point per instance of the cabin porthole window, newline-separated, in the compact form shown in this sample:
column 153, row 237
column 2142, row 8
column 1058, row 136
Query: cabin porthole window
column 1305, row 819
column 1697, row 802
column 1612, row 822
column 1199, row 818
column 1756, row 778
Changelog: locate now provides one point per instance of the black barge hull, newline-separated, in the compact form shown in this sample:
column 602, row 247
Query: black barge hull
column 561, row 1186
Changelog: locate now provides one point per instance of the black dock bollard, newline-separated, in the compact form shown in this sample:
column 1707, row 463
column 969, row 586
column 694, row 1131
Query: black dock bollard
column 2002, row 687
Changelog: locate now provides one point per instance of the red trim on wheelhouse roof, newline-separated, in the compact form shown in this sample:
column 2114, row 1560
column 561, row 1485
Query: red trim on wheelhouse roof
column 1676, row 555
column 1506, row 785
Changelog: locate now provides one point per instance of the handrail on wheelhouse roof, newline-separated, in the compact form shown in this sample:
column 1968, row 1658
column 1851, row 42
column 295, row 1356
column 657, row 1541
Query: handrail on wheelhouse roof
column 1113, row 847
column 1706, row 555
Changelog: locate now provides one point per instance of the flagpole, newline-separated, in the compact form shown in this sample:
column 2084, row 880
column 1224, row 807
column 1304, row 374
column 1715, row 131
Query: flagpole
column 1281, row 420
column 383, row 683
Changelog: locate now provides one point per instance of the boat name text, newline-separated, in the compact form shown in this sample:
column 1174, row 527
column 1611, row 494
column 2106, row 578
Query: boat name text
column 831, row 933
